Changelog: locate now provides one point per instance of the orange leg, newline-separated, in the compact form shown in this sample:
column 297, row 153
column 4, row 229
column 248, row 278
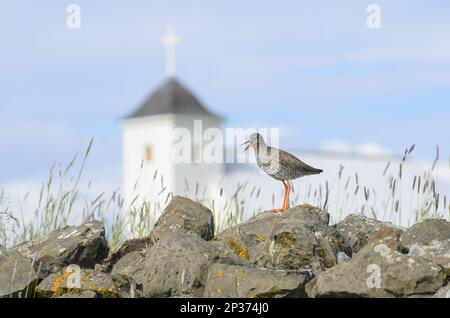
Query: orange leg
column 287, row 190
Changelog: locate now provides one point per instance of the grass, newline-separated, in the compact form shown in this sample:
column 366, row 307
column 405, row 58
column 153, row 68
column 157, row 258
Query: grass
column 62, row 202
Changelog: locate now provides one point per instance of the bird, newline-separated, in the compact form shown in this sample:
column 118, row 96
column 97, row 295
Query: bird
column 279, row 164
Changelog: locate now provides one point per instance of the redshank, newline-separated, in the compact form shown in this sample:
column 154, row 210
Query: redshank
column 279, row 164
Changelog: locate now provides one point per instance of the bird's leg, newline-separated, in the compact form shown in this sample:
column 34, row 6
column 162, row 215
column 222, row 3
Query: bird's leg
column 288, row 192
column 283, row 208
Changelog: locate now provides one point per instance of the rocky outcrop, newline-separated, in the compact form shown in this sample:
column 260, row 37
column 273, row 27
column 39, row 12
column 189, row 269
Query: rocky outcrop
column 444, row 292
column 83, row 294
column 76, row 282
column 379, row 269
column 184, row 215
column 129, row 246
column 231, row 281
column 175, row 266
column 299, row 238
column 425, row 232
column 357, row 229
column 18, row 275
column 291, row 254
column 84, row 245
column 125, row 273
column 429, row 239
column 24, row 265
column 181, row 215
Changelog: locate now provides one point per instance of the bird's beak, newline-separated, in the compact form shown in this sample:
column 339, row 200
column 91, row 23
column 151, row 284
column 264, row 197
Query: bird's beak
column 247, row 143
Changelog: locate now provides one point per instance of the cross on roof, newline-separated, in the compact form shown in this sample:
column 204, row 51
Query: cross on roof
column 170, row 40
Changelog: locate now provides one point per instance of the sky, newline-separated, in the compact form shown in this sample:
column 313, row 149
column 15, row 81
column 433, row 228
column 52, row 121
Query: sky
column 312, row 68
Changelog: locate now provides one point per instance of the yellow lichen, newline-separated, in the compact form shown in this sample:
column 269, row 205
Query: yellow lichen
column 269, row 294
column 275, row 290
column 110, row 293
column 219, row 274
column 57, row 282
column 285, row 239
column 284, row 250
column 319, row 251
column 66, row 273
column 85, row 279
column 288, row 240
column 329, row 262
column 238, row 249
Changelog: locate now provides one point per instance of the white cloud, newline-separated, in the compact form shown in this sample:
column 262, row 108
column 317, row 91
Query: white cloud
column 335, row 146
column 372, row 149
column 343, row 147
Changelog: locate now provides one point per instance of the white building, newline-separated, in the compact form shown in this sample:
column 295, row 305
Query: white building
column 149, row 145
column 151, row 171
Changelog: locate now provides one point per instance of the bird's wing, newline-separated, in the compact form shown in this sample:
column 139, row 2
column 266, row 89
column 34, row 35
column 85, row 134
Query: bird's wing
column 294, row 161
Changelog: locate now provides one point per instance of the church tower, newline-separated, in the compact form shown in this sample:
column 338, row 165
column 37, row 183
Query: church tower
column 149, row 171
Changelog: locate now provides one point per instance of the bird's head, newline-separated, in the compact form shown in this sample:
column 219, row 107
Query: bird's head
column 254, row 141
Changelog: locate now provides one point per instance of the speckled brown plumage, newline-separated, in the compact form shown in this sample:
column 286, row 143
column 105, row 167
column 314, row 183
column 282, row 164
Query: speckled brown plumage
column 279, row 164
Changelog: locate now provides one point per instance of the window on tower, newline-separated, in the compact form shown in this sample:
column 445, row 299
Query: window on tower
column 148, row 153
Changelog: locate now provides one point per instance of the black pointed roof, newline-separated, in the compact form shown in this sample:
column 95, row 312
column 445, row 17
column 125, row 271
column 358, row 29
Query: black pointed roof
column 171, row 98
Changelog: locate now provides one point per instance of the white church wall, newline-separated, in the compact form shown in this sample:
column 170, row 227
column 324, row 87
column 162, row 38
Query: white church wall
column 138, row 172
column 196, row 180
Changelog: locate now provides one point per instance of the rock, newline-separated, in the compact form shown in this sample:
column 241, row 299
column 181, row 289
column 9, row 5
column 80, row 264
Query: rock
column 185, row 215
column 444, row 292
column 84, row 294
column 84, row 245
column 124, row 271
column 25, row 264
column 425, row 232
column 298, row 238
column 132, row 264
column 379, row 270
column 437, row 251
column 128, row 264
column 175, row 266
column 357, row 230
column 307, row 214
column 431, row 240
column 342, row 258
column 227, row 253
column 73, row 281
column 231, row 281
column 18, row 275
column 127, row 247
